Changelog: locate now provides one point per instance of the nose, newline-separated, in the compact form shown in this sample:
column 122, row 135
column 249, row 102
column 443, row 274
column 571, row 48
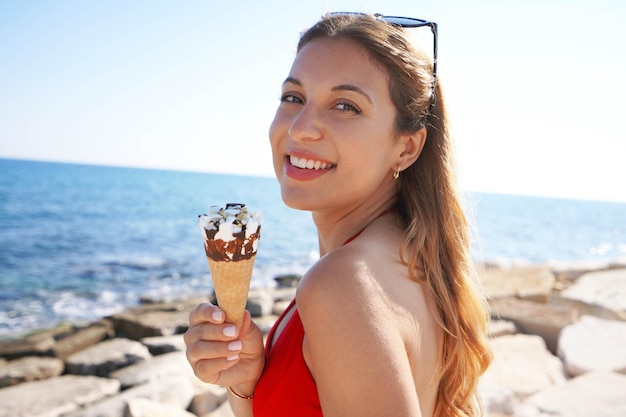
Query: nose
column 306, row 125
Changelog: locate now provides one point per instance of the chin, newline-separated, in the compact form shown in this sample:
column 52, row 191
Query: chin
column 298, row 199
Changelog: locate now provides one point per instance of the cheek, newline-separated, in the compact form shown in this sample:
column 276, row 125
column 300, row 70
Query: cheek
column 278, row 128
column 275, row 136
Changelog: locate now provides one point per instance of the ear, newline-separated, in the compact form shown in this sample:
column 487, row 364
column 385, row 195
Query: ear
column 412, row 145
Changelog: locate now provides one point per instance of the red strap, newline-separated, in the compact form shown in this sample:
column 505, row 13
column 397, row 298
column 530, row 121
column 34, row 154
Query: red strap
column 389, row 210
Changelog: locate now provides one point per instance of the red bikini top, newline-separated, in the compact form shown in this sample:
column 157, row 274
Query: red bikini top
column 286, row 387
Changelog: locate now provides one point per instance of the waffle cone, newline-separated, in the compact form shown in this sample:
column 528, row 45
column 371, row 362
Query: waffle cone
column 231, row 281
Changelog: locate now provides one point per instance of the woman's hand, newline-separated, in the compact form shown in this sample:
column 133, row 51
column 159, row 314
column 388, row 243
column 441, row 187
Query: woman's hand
column 219, row 354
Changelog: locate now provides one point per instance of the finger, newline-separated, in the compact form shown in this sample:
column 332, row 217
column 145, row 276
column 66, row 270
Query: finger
column 201, row 350
column 210, row 332
column 247, row 323
column 206, row 312
column 212, row 370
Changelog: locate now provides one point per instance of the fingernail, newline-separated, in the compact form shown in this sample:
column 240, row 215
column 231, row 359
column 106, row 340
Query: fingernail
column 232, row 357
column 235, row 346
column 230, row 331
column 217, row 315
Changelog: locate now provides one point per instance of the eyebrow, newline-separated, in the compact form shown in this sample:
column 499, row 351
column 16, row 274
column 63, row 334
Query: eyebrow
column 341, row 87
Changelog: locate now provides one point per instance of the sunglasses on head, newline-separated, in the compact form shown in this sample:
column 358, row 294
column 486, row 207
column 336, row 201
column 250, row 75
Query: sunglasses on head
column 408, row 22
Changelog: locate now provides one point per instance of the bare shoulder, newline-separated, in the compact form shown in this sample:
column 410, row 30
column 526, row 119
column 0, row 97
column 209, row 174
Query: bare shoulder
column 366, row 275
column 358, row 303
column 342, row 281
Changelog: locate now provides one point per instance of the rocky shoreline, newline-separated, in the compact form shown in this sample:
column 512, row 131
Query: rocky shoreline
column 558, row 334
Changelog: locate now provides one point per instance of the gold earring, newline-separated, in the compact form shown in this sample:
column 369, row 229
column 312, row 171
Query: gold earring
column 396, row 174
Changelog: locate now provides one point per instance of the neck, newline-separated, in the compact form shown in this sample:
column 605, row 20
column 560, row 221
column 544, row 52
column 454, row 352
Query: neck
column 335, row 228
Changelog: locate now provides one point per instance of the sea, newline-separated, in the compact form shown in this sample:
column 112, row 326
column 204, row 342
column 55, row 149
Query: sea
column 80, row 242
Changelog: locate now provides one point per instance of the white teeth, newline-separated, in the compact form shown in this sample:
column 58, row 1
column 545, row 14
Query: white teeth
column 307, row 163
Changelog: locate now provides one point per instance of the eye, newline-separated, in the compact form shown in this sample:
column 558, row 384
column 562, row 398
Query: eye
column 347, row 107
column 290, row 98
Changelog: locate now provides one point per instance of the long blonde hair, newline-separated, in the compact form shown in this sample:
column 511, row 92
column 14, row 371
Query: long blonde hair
column 436, row 247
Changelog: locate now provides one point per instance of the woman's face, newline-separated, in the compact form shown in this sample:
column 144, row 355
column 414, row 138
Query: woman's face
column 332, row 138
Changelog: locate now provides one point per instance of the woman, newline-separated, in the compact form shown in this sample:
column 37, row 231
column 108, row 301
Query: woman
column 388, row 322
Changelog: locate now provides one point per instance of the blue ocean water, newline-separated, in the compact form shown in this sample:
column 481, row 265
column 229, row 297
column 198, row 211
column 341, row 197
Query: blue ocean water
column 78, row 242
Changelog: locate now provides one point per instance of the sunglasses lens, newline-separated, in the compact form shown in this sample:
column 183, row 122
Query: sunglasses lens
column 406, row 22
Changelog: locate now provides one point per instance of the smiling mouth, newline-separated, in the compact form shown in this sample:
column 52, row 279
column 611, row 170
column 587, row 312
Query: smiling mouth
column 304, row 163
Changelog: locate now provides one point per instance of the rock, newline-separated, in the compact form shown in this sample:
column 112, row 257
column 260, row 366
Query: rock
column 545, row 320
column 283, row 293
column 523, row 364
column 207, row 397
column 153, row 320
column 167, row 366
column 530, row 282
column 38, row 343
column 159, row 345
column 175, row 393
column 265, row 323
column 584, row 308
column 618, row 263
column 110, row 407
column 106, row 357
column 30, row 368
column 497, row 399
column 280, row 306
column 61, row 341
column 593, row 344
column 224, row 410
column 288, row 280
column 54, row 397
column 81, row 338
column 597, row 394
column 259, row 303
column 571, row 271
column 603, row 288
column 501, row 328
column 143, row 407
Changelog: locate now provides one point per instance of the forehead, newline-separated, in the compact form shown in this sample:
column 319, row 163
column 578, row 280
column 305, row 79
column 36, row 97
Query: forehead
column 337, row 61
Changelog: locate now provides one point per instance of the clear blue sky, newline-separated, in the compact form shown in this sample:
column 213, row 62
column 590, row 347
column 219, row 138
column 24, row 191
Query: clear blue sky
column 536, row 88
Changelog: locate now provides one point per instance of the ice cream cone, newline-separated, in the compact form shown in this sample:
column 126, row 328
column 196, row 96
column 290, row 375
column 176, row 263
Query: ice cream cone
column 231, row 281
column 231, row 237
